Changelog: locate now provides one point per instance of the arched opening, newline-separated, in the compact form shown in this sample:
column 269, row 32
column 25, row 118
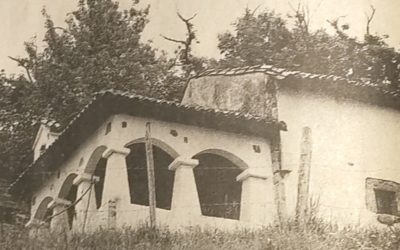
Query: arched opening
column 96, row 166
column 137, row 175
column 219, row 192
column 68, row 192
column 100, row 171
column 43, row 213
column 94, row 159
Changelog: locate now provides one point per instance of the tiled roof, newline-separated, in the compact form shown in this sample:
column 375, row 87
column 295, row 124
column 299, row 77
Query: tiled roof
column 113, row 102
column 52, row 124
column 284, row 74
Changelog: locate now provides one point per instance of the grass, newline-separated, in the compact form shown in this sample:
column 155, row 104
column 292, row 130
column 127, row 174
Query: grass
column 313, row 235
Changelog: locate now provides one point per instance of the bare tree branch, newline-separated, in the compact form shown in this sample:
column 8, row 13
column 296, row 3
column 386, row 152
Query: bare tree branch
column 184, row 19
column 369, row 18
column 255, row 9
column 187, row 43
column 22, row 63
column 335, row 24
column 302, row 15
column 173, row 40
column 61, row 28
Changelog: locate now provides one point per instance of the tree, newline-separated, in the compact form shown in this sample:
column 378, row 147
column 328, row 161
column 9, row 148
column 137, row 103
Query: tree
column 266, row 39
column 99, row 48
column 257, row 40
column 189, row 63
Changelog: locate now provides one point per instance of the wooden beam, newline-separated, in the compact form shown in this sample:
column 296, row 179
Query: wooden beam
column 304, row 175
column 150, row 176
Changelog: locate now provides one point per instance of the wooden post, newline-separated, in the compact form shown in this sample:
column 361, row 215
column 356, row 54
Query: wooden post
column 304, row 175
column 271, row 111
column 150, row 176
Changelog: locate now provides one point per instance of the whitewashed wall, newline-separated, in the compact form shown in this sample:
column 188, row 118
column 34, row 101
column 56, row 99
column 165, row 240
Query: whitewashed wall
column 116, row 183
column 351, row 141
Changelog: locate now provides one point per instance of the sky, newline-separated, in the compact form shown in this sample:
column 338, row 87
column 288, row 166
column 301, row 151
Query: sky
column 21, row 20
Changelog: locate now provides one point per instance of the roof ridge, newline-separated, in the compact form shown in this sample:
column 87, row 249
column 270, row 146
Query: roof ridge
column 132, row 95
column 283, row 73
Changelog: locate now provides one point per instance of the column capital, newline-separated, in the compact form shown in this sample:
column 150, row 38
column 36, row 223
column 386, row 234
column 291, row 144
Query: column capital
column 259, row 173
column 85, row 177
column 183, row 162
column 110, row 151
column 59, row 202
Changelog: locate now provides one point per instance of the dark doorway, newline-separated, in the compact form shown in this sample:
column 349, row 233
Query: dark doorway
column 48, row 216
column 386, row 202
column 137, row 175
column 71, row 209
column 219, row 192
column 100, row 172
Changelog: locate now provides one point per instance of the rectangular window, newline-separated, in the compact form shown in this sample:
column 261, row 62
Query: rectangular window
column 386, row 202
column 382, row 196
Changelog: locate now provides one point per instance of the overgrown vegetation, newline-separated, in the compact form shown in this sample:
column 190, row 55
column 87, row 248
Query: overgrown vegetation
column 313, row 236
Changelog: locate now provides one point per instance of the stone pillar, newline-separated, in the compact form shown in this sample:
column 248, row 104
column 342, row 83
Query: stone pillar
column 37, row 228
column 116, row 194
column 59, row 223
column 185, row 200
column 257, row 203
column 86, row 207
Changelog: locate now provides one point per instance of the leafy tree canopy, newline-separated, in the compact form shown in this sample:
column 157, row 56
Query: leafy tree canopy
column 267, row 38
column 99, row 48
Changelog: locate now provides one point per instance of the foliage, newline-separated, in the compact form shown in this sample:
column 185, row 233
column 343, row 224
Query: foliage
column 266, row 38
column 17, row 124
column 99, row 48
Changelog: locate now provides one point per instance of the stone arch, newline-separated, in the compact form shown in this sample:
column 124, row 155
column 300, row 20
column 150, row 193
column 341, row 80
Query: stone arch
column 42, row 211
column 156, row 142
column 227, row 155
column 66, row 186
column 163, row 155
column 94, row 159
column 68, row 191
column 96, row 166
column 215, row 176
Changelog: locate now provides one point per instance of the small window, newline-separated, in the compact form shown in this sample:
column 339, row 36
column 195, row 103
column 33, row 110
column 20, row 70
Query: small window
column 257, row 148
column 124, row 124
column 382, row 196
column 173, row 132
column 386, row 202
column 108, row 128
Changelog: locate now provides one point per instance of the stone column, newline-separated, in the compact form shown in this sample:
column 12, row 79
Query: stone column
column 257, row 203
column 185, row 200
column 116, row 194
column 37, row 228
column 59, row 223
column 86, row 207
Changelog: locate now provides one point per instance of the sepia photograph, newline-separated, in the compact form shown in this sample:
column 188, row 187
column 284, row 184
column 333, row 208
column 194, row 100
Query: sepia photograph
column 184, row 124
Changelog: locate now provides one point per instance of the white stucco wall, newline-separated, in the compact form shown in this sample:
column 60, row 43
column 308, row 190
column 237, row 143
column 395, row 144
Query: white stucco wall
column 351, row 141
column 44, row 137
column 116, row 187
